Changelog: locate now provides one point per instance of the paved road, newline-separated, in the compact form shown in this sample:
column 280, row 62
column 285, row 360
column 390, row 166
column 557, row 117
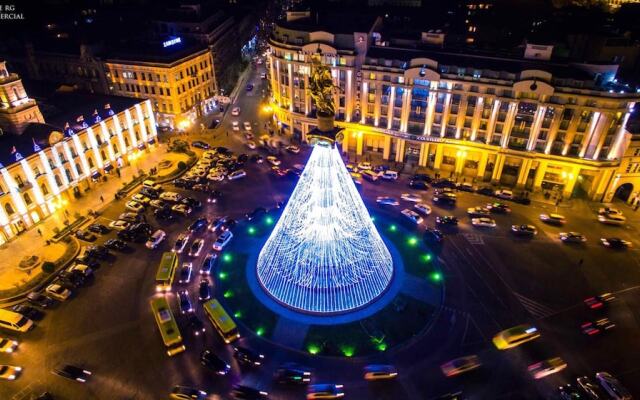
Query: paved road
column 493, row 280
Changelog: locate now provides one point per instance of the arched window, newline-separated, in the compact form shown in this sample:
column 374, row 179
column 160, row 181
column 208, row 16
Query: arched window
column 9, row 209
column 69, row 177
column 79, row 169
column 115, row 148
column 27, row 199
column 104, row 156
column 44, row 189
column 126, row 141
column 90, row 162
column 58, row 180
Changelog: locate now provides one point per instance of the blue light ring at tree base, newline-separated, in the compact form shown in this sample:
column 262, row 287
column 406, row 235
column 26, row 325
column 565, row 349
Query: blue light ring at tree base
column 325, row 255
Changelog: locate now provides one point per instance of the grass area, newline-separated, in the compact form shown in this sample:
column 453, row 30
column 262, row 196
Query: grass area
column 396, row 323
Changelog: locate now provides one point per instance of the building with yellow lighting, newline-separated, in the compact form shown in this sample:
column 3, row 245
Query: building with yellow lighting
column 530, row 123
column 45, row 167
column 178, row 79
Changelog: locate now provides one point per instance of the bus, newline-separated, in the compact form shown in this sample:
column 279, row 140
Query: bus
column 167, row 325
column 221, row 320
column 166, row 271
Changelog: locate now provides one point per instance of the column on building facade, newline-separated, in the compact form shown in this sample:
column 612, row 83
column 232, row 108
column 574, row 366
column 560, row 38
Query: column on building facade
column 290, row 86
column 406, row 108
column 571, row 182
column 94, row 146
column 541, row 170
column 58, row 163
column 386, row 151
column 4, row 222
column 345, row 143
column 364, row 101
column 438, row 158
column 83, row 158
column 307, row 98
column 377, row 106
column 275, row 81
column 590, row 135
column 462, row 114
column 508, row 123
column 459, row 165
column 392, row 100
column 535, row 127
column 359, row 143
column 445, row 113
column 482, row 164
column 604, row 185
column 153, row 132
column 49, row 173
column 616, row 146
column 400, row 143
column 424, row 154
column 143, row 128
column 118, row 128
column 18, row 201
column 107, row 139
column 348, row 98
column 497, row 168
column 37, row 191
column 523, row 173
column 430, row 113
column 132, row 133
column 67, row 151
column 553, row 128
column 477, row 115
column 602, row 128
column 491, row 126
column 571, row 131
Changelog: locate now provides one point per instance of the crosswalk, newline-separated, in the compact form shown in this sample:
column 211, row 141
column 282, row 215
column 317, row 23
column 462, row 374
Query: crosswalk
column 474, row 239
column 534, row 308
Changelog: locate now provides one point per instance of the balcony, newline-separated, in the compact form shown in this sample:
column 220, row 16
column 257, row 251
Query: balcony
column 24, row 186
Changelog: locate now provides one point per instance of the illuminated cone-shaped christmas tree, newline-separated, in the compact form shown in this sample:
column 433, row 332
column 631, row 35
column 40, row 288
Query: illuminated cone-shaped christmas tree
column 325, row 255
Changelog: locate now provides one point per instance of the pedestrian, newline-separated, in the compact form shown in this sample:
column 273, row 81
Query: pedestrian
column 101, row 199
column 227, row 133
column 580, row 262
column 39, row 231
column 118, row 172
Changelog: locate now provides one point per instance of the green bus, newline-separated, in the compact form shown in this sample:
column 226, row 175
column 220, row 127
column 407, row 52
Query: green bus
column 220, row 320
column 167, row 325
column 166, row 272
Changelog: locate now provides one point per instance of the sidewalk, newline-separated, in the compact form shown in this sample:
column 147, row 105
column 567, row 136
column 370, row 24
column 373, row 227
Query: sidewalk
column 32, row 242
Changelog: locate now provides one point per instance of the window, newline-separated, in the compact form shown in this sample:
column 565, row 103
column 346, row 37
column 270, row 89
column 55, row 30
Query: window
column 9, row 209
column 44, row 189
column 128, row 75
column 27, row 199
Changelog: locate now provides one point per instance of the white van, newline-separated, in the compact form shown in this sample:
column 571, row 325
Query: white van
column 389, row 175
column 222, row 240
column 14, row 321
column 155, row 239
column 171, row 196
column 152, row 185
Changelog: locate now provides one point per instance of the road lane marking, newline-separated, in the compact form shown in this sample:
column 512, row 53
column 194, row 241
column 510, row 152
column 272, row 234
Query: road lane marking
column 533, row 307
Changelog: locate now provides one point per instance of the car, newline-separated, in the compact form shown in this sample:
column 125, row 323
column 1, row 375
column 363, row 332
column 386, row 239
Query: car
column 442, row 183
column 293, row 149
column 389, row 175
column 148, row 183
column 200, row 144
column 98, row 228
column 263, row 75
column 235, row 125
column 246, row 125
column 80, row 269
column 208, row 263
column 446, row 198
column 483, row 222
column 411, row 197
column 615, row 243
column 191, row 202
column 465, row 187
column 130, row 217
column 478, row 211
column 150, row 193
column 198, row 225
column 422, row 177
column 171, row 197
column 204, row 290
column 58, row 292
column 217, row 223
column 158, row 204
column 237, row 175
column 222, row 240
column 422, row 208
column 609, row 211
column 248, row 393
column 599, row 302
column 200, row 187
column 324, row 391
column 545, row 368
column 235, row 111
column 140, row 198
column 134, row 206
column 100, row 252
column 181, row 209
column 612, row 219
column 486, row 191
column 40, row 300
column 377, row 372
column 292, row 373
column 216, row 176
column 590, row 388
column 504, row 194
column 73, row 373
column 553, row 219
column 446, row 220
column 8, row 345
column 187, row 393
column 181, row 243
column 251, row 144
column 513, row 337
column 249, row 87
column 214, row 363
column 273, row 160
column 363, row 166
column 195, row 324
column 418, row 185
column 86, row 236
column 432, row 235
column 524, row 230
column 256, row 213
column 572, row 237
column 388, row 201
column 412, row 216
column 71, row 280
column 569, row 392
column 184, row 300
column 28, row 311
column 460, row 365
column 595, row 327
column 369, row 175
column 498, row 208
column 155, row 239
column 247, row 357
column 9, row 372
column 613, row 387
column 185, row 272
column 163, row 213
column 256, row 158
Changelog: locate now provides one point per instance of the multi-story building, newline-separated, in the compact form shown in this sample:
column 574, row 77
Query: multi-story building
column 178, row 78
column 17, row 110
column 531, row 124
column 614, row 4
column 47, row 166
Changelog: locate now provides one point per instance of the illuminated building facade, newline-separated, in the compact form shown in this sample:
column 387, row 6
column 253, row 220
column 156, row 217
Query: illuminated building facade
column 532, row 124
column 46, row 167
column 17, row 110
column 177, row 78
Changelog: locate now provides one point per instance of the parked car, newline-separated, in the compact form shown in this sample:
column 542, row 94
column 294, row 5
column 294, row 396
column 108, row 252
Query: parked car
column 57, row 291
column 613, row 387
column 184, row 300
column 200, row 144
column 411, row 197
column 134, row 206
column 222, row 240
column 422, row 208
column 504, row 194
column 40, row 300
column 418, row 185
column 196, row 247
column 181, row 209
column 412, row 216
column 98, row 228
column 198, row 225
column 433, row 236
column 214, row 363
column 237, row 175
column 185, row 272
column 247, row 357
column 86, row 236
column 73, row 373
column 155, row 239
column 208, row 263
column 181, row 243
column 386, row 200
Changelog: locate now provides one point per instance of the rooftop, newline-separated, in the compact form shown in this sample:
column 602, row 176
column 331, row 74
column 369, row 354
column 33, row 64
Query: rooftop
column 159, row 52
column 332, row 22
